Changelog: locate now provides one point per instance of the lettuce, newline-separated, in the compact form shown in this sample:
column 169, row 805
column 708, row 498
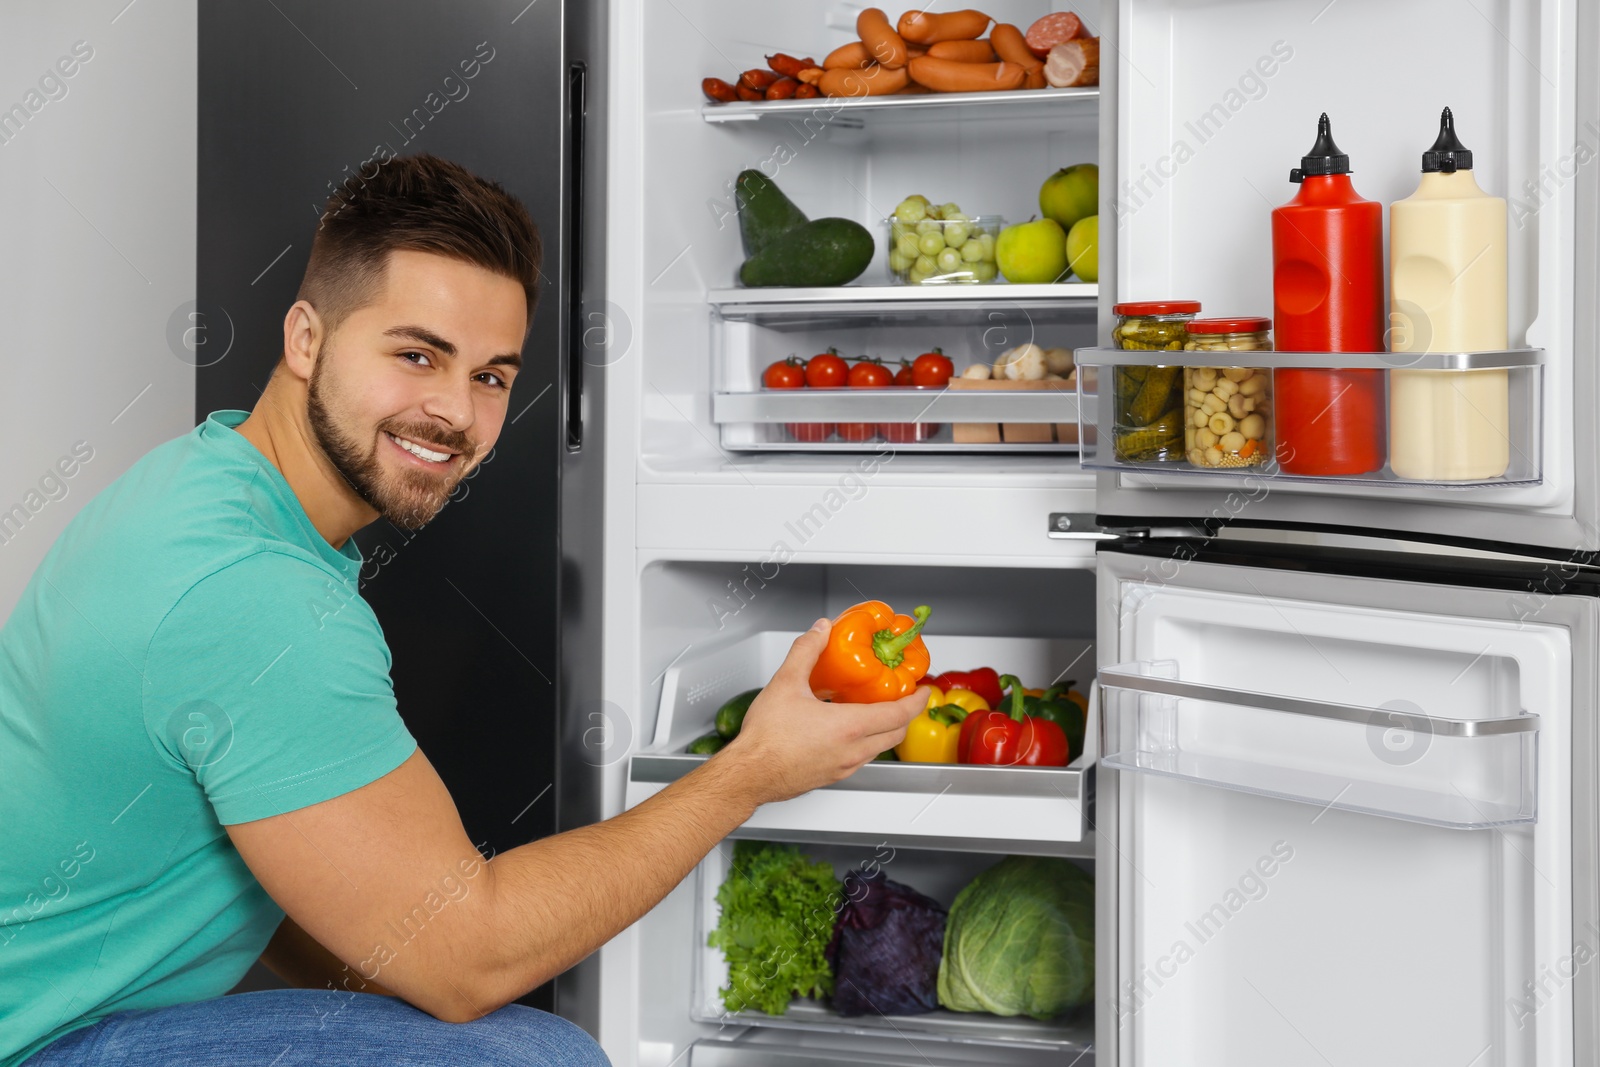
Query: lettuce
column 1020, row 940
column 777, row 918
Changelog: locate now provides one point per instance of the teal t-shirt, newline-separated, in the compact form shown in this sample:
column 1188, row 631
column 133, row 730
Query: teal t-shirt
column 191, row 653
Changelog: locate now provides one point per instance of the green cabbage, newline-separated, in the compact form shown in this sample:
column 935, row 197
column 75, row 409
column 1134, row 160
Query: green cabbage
column 1020, row 940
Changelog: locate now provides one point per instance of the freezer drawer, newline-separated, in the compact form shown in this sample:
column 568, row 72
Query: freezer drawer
column 1034, row 810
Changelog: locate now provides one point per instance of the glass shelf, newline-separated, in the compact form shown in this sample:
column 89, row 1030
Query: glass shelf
column 782, row 308
column 856, row 112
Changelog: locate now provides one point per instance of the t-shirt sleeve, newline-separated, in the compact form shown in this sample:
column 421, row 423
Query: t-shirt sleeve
column 269, row 681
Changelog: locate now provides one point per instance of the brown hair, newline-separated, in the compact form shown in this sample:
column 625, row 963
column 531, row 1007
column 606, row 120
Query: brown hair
column 425, row 204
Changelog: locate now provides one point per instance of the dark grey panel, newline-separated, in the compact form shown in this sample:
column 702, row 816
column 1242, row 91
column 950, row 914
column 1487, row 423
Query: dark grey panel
column 294, row 97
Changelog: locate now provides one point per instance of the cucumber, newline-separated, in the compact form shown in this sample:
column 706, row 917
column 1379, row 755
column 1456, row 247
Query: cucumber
column 765, row 214
column 820, row 252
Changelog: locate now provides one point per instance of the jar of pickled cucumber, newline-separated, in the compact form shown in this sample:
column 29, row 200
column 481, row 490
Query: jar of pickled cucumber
column 1149, row 400
column 1228, row 410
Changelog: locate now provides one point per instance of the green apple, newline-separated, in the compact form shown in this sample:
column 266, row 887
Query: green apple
column 1032, row 252
column 1083, row 248
column 1070, row 194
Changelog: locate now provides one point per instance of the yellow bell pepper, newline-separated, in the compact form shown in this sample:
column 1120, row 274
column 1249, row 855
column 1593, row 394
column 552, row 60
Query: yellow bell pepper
column 935, row 695
column 967, row 700
column 932, row 735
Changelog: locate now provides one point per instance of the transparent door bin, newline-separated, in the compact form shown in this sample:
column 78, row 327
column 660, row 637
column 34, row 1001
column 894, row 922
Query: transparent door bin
column 1034, row 810
column 1459, row 421
column 1397, row 762
column 937, row 875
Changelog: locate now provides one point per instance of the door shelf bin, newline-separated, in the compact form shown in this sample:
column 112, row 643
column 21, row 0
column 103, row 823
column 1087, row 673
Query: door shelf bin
column 1523, row 383
column 1396, row 762
column 933, row 874
column 919, row 419
column 1035, row 810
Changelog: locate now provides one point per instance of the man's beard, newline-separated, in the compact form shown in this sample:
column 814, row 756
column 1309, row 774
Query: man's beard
column 408, row 498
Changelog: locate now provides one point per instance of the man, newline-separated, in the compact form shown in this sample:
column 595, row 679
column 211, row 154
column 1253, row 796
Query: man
column 200, row 770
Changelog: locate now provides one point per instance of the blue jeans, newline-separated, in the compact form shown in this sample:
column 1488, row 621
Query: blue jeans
column 321, row 1027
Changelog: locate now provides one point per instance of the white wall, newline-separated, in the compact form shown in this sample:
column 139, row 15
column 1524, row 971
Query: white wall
column 97, row 251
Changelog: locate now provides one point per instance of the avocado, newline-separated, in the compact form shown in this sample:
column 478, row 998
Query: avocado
column 765, row 214
column 820, row 252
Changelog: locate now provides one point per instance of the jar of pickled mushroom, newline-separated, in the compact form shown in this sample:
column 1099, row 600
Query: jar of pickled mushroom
column 1228, row 409
column 1149, row 426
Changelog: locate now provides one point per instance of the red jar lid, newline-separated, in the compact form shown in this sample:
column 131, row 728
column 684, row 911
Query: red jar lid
column 1158, row 307
column 1249, row 324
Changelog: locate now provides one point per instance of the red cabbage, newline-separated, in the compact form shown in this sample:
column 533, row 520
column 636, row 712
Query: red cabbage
column 885, row 948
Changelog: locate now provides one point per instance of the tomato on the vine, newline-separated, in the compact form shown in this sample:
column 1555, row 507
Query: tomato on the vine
column 809, row 432
column 870, row 374
column 903, row 375
column 857, row 431
column 932, row 368
column 785, row 374
column 826, row 370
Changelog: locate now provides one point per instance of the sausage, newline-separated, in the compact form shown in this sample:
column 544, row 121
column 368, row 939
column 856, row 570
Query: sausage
column 718, row 90
column 782, row 89
column 882, row 43
column 1054, row 29
column 747, row 93
column 969, row 52
column 811, row 75
column 948, row 76
column 926, row 28
column 874, row 81
column 852, row 56
column 789, row 65
column 807, row 91
column 756, row 78
column 1011, row 46
column 1074, row 64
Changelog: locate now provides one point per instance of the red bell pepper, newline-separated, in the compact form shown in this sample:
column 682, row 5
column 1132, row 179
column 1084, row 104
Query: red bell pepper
column 1011, row 738
column 984, row 681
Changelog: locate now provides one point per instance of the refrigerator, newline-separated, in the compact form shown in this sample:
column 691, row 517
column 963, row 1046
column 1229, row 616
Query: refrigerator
column 491, row 611
column 1338, row 795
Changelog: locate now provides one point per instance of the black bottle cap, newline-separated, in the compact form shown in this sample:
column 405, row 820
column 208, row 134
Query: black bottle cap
column 1324, row 157
column 1447, row 154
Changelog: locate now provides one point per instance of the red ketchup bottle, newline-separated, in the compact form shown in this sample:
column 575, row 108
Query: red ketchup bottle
column 1327, row 296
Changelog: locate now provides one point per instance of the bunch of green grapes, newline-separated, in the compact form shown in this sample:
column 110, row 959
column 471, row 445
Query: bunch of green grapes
column 938, row 243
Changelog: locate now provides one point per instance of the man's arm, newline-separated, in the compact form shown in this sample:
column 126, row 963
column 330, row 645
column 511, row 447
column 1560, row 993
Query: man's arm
column 386, row 877
column 296, row 958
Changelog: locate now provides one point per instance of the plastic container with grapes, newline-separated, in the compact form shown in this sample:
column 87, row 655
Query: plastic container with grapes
column 938, row 244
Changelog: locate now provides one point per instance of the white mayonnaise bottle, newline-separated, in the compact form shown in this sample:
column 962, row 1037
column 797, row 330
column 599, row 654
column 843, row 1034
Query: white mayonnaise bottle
column 1447, row 293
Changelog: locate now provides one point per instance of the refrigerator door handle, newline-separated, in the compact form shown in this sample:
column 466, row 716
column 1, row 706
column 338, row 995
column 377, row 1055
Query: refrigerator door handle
column 576, row 332
column 1122, row 678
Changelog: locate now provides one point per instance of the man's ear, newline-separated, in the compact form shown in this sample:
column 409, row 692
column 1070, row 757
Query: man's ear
column 303, row 335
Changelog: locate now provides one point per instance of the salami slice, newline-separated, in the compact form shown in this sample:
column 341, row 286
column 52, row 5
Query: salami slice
column 1054, row 29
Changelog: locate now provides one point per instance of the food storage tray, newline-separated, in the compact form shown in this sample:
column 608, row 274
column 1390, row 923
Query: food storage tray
column 1036, row 810
column 1398, row 762
column 936, row 874
column 1523, row 368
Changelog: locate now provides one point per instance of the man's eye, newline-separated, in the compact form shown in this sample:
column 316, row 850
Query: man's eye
column 503, row 383
column 421, row 355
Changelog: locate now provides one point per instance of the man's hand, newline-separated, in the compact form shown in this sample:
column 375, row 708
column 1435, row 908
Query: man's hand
column 792, row 743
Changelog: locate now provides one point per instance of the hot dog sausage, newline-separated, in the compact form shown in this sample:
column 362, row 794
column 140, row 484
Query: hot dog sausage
column 1010, row 46
column 970, row 51
column 948, row 76
column 926, row 28
column 718, row 90
column 882, row 43
column 788, row 65
column 874, row 81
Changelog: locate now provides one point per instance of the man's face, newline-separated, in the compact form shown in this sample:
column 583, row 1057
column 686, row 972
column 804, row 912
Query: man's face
column 419, row 364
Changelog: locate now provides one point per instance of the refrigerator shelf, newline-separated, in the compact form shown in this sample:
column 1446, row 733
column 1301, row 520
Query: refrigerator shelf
column 1034, row 810
column 1519, row 374
column 1397, row 762
column 782, row 308
column 1038, row 105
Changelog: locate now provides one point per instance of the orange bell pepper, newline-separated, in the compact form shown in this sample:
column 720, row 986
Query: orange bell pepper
column 873, row 655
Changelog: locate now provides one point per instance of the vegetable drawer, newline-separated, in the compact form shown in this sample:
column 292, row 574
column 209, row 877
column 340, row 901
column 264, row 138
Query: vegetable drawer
column 1392, row 761
column 1032, row 810
column 942, row 1033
